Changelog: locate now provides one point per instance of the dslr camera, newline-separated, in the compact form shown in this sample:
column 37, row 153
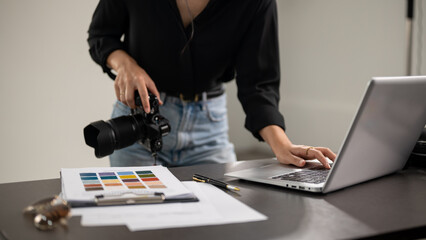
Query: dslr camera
column 145, row 128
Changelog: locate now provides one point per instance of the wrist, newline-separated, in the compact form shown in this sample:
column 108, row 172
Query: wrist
column 119, row 60
column 276, row 138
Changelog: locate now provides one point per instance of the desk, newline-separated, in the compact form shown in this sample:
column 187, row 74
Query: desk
column 390, row 207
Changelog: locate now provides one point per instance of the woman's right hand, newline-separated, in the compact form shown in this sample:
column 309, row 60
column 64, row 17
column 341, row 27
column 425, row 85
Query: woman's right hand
column 131, row 77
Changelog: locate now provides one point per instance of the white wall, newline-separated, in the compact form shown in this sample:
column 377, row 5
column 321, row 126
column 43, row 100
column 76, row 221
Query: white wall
column 329, row 51
column 51, row 89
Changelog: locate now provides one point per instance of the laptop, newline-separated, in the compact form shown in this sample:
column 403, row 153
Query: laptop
column 389, row 120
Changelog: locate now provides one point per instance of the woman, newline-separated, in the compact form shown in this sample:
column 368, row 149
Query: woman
column 183, row 51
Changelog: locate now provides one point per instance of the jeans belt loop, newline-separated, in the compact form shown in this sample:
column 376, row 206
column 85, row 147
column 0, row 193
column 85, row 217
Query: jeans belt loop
column 163, row 96
column 204, row 99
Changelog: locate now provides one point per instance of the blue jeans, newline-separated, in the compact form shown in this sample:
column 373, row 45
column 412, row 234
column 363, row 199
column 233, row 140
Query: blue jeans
column 199, row 135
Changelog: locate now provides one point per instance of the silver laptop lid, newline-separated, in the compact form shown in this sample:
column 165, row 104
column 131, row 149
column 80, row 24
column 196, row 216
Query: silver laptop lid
column 383, row 133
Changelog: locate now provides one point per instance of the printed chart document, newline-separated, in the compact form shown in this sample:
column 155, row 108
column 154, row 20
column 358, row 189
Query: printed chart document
column 83, row 184
column 214, row 207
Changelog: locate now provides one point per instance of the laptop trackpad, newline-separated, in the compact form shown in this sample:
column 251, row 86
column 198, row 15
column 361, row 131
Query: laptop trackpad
column 269, row 170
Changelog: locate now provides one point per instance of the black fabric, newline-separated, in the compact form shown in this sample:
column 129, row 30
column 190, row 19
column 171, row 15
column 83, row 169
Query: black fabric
column 232, row 39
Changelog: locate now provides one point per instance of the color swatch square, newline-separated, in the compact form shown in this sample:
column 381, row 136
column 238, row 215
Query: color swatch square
column 91, row 182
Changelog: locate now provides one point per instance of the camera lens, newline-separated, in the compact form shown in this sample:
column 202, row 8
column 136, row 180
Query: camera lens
column 144, row 128
column 117, row 133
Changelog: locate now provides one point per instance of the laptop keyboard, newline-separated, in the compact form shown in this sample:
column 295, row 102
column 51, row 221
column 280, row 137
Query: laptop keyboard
column 315, row 174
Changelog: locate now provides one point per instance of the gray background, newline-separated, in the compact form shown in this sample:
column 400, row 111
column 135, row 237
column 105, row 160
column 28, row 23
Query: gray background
column 51, row 89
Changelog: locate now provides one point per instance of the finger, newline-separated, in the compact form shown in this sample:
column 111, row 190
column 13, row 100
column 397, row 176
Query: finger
column 124, row 95
column 298, row 161
column 153, row 89
column 119, row 91
column 327, row 152
column 318, row 155
column 130, row 98
column 293, row 160
column 143, row 93
column 302, row 151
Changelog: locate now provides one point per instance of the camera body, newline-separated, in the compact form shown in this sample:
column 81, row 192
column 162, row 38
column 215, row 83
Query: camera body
column 147, row 129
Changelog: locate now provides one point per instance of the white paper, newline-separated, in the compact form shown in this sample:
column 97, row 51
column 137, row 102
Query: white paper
column 215, row 207
column 151, row 216
column 73, row 188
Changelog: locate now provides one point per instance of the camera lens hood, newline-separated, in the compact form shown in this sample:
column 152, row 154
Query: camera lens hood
column 100, row 136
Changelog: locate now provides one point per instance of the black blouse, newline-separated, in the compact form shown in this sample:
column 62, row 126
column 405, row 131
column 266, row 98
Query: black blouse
column 232, row 39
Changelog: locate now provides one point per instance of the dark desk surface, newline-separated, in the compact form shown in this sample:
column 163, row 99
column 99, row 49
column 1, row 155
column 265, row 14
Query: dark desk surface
column 389, row 207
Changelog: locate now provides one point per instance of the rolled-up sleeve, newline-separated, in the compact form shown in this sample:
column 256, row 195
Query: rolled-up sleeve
column 108, row 25
column 258, row 71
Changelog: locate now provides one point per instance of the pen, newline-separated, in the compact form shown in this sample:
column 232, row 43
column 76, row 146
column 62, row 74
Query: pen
column 199, row 178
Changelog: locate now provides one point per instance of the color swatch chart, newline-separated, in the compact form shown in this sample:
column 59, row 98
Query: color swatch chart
column 120, row 180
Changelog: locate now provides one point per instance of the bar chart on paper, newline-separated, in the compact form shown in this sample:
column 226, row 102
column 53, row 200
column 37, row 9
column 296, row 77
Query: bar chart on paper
column 120, row 180
column 86, row 183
